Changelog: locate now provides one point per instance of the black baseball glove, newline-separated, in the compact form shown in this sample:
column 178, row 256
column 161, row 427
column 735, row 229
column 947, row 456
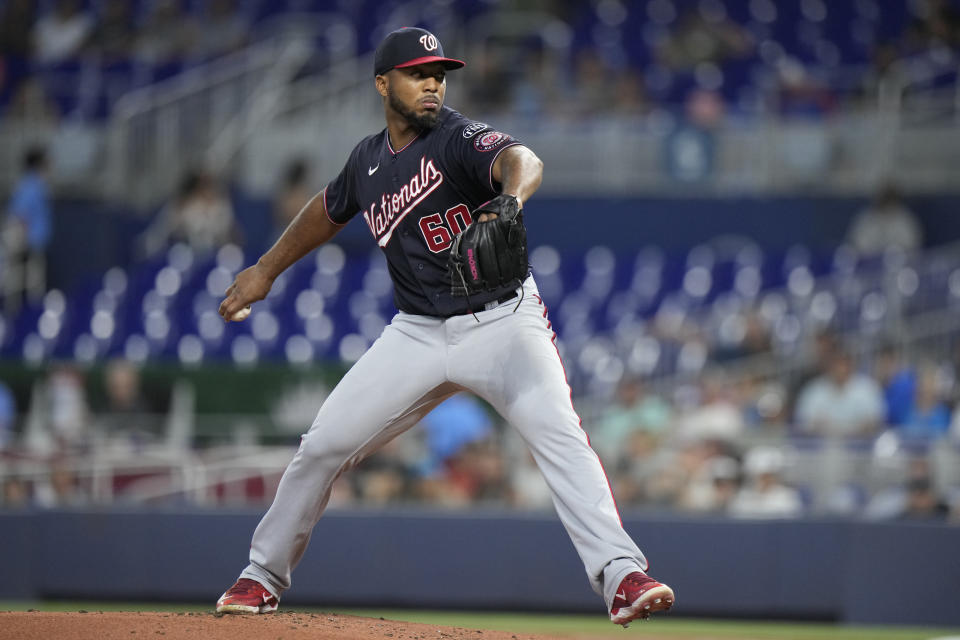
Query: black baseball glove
column 487, row 256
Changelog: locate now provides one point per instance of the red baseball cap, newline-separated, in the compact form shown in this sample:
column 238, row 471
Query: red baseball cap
column 408, row 47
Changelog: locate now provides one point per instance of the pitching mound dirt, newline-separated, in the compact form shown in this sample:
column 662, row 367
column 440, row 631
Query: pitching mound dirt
column 284, row 625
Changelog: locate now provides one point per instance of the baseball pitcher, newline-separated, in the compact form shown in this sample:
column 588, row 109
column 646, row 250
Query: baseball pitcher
column 443, row 197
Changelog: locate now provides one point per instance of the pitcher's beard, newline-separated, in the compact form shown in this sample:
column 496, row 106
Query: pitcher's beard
column 420, row 123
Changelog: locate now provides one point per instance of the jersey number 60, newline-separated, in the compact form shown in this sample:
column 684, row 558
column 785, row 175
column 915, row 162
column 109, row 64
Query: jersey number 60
column 437, row 235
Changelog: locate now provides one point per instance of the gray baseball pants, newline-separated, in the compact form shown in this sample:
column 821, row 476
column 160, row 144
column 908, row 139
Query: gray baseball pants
column 507, row 358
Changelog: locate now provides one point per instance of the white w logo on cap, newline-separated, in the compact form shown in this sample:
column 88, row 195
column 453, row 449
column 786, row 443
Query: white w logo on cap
column 429, row 41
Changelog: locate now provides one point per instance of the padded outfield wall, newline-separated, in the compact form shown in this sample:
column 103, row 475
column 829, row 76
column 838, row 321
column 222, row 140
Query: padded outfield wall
column 860, row 572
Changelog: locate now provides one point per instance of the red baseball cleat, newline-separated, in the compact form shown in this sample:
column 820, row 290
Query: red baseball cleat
column 639, row 595
column 247, row 596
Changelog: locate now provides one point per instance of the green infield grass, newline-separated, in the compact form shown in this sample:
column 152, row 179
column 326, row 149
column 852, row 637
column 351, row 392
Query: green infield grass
column 594, row 626
column 659, row 627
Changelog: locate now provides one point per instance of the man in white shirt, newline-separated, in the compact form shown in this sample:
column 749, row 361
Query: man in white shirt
column 886, row 223
column 840, row 402
column 765, row 495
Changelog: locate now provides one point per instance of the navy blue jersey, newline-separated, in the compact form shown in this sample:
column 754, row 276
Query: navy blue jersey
column 416, row 199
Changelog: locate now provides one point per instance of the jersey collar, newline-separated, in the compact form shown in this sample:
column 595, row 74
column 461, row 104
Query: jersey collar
column 390, row 146
column 445, row 112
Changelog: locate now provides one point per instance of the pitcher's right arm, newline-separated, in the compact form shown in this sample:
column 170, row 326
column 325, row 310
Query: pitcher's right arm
column 307, row 231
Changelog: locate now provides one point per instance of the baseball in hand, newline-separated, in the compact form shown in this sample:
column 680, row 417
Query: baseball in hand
column 241, row 315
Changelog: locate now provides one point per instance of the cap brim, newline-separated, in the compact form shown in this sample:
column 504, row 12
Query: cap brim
column 448, row 63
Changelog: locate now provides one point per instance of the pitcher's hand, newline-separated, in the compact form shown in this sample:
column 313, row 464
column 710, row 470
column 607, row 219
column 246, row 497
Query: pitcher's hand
column 250, row 285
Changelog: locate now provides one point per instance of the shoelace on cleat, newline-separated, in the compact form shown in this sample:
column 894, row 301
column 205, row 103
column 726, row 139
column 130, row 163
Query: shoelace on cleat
column 644, row 583
column 244, row 587
column 639, row 581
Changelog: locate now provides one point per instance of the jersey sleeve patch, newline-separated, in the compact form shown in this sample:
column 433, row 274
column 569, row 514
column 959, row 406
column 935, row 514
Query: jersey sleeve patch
column 490, row 141
column 473, row 129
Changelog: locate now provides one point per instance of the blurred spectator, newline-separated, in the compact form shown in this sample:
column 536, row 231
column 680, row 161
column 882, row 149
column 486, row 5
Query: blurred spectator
column 341, row 494
column 224, row 29
column 697, row 38
column 766, row 405
column 8, row 416
column 937, row 24
column 528, row 488
column 755, row 341
column 718, row 416
column 840, row 402
column 384, row 477
column 476, row 473
column 637, row 466
column 201, row 215
column 487, row 91
column 31, row 105
column 899, row 382
column 168, row 35
column 126, row 410
column 479, row 472
column 889, row 500
column 27, row 230
column 671, row 471
column 635, row 410
column 704, row 109
column 756, row 337
column 62, row 489
column 293, row 193
column 124, row 395
column 66, row 400
column 453, row 425
column 591, row 79
column 806, row 152
column 884, row 72
column 61, row 32
column 765, row 495
column 629, row 95
column 815, row 360
column 715, row 489
column 16, row 493
column 114, row 35
column 929, row 415
column 885, row 224
column 803, row 95
column 690, row 150
column 923, row 502
column 437, row 491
